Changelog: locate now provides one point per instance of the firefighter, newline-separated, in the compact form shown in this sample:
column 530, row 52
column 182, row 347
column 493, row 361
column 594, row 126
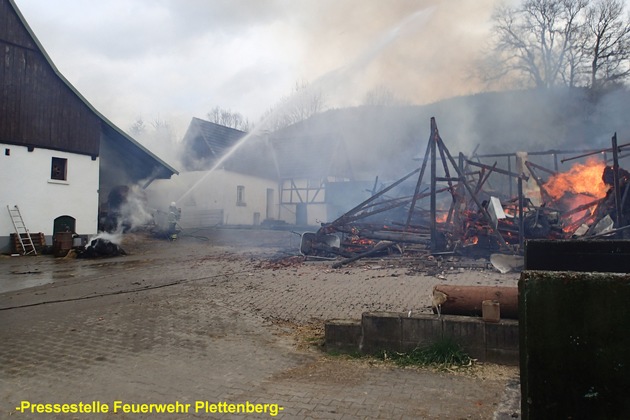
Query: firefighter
column 174, row 214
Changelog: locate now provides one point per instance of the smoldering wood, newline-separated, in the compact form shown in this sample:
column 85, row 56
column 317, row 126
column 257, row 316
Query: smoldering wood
column 464, row 223
column 483, row 210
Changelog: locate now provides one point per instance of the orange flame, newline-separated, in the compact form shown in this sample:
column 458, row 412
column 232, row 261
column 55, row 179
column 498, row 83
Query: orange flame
column 580, row 179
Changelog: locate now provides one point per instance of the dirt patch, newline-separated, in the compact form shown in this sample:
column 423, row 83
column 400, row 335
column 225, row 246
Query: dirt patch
column 311, row 337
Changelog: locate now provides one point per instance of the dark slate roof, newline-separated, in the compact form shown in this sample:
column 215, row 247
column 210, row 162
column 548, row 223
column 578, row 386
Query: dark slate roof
column 293, row 152
column 206, row 142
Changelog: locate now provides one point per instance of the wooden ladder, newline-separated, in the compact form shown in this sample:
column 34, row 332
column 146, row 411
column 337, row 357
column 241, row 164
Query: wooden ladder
column 23, row 235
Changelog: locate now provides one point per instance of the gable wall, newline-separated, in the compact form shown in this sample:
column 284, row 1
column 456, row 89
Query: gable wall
column 36, row 106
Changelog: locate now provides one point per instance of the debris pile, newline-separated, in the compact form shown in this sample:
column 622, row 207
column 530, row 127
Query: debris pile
column 101, row 247
column 477, row 219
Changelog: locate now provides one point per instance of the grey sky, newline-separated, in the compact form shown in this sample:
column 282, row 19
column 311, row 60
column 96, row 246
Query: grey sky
column 177, row 59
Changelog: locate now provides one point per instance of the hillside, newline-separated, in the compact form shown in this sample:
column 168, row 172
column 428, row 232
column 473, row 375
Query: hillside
column 384, row 140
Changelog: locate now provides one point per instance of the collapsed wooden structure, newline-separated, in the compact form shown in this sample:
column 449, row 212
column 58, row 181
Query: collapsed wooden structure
column 474, row 221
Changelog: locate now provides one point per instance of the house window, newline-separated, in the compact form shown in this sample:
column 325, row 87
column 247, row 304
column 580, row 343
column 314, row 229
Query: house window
column 240, row 195
column 58, row 169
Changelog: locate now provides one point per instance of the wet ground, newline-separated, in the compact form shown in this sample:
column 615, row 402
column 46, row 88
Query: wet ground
column 209, row 319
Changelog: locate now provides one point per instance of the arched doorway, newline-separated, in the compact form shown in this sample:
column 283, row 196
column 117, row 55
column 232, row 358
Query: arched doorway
column 64, row 224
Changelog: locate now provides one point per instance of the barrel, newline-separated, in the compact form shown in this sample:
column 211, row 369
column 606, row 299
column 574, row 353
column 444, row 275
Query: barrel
column 62, row 243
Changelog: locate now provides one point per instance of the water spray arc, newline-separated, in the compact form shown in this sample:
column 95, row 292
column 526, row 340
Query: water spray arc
column 327, row 82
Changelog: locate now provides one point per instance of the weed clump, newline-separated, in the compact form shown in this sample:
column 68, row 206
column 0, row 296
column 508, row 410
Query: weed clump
column 443, row 354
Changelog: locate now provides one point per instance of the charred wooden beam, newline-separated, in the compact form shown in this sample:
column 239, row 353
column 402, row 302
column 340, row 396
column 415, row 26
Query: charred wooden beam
column 484, row 177
column 484, row 210
column 386, row 205
column 433, row 201
column 617, row 190
column 608, row 232
column 542, row 168
column 583, row 207
column 377, row 248
column 409, row 237
column 419, row 182
column 595, row 152
column 521, row 219
column 343, row 217
column 498, row 170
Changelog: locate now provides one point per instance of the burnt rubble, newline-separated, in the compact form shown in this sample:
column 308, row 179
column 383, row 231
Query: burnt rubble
column 476, row 219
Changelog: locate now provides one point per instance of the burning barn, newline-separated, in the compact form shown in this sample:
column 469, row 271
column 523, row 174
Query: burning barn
column 61, row 157
column 458, row 211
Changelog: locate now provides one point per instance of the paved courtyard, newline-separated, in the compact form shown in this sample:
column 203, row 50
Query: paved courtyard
column 211, row 323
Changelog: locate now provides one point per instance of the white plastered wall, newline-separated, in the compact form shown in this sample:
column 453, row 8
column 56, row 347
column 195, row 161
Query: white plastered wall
column 214, row 191
column 26, row 182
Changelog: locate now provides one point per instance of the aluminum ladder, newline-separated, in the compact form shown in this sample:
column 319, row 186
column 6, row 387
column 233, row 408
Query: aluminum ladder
column 23, row 235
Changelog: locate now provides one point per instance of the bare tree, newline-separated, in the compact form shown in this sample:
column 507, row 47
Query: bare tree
column 576, row 43
column 301, row 104
column 228, row 118
column 162, row 131
column 137, row 128
column 608, row 46
column 381, row 96
column 535, row 40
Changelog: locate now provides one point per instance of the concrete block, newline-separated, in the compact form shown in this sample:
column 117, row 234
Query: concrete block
column 396, row 331
column 381, row 330
column 502, row 342
column 469, row 332
column 343, row 335
column 420, row 330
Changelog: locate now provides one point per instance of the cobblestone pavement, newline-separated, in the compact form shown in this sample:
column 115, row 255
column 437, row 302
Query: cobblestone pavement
column 209, row 320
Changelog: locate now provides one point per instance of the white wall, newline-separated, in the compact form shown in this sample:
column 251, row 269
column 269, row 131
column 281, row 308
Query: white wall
column 26, row 182
column 202, row 191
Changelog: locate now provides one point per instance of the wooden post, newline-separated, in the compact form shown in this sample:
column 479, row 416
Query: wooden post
column 419, row 183
column 521, row 221
column 433, row 204
column 615, row 152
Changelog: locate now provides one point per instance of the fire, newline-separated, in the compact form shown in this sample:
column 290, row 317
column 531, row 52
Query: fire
column 474, row 240
column 580, row 179
column 441, row 218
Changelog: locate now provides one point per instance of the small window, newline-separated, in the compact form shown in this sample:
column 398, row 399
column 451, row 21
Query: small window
column 59, row 169
column 240, row 195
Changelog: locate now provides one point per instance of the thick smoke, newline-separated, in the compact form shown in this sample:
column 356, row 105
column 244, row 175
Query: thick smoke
column 421, row 60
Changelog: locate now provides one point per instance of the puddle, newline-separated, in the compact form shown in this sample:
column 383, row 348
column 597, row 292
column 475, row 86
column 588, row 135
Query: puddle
column 18, row 275
column 23, row 280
